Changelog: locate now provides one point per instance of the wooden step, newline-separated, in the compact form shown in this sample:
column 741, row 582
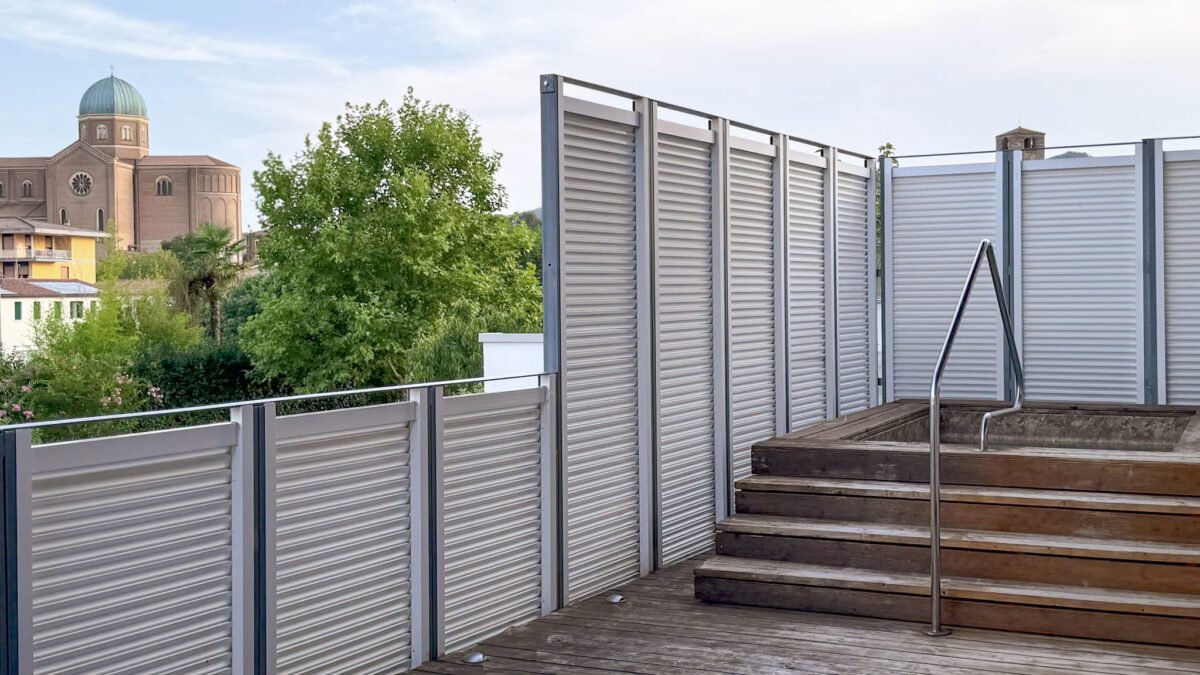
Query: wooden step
column 1053, row 512
column 1130, row 565
column 1054, row 609
column 1118, row 471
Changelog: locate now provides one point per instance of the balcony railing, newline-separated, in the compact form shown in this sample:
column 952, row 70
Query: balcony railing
column 266, row 539
column 33, row 254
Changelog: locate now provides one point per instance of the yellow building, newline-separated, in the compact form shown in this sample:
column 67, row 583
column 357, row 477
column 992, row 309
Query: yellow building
column 35, row 249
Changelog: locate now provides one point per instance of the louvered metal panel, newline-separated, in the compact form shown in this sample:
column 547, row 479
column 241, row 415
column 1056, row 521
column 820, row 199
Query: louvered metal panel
column 684, row 307
column 342, row 541
column 855, row 275
column 1181, row 274
column 491, row 514
column 938, row 219
column 131, row 550
column 806, row 291
column 599, row 353
column 751, row 303
column 1080, row 243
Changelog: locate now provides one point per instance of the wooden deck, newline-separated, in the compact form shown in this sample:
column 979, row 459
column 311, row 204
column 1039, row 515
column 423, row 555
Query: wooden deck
column 661, row 628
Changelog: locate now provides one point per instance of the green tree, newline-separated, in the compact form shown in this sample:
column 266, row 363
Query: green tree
column 387, row 251
column 209, row 265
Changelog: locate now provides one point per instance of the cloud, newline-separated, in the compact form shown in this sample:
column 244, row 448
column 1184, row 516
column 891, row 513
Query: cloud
column 95, row 28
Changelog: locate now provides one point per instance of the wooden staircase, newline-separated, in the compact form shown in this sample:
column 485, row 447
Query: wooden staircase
column 1083, row 543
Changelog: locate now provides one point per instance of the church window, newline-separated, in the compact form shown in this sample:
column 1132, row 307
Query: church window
column 81, row 184
column 100, row 221
column 163, row 186
column 127, row 133
column 27, row 189
column 102, row 132
column 1029, row 143
column 62, row 217
column 1004, row 144
column 1, row 190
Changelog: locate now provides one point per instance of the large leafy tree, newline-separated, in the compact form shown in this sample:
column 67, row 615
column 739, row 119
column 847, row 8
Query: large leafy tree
column 387, row 252
column 209, row 265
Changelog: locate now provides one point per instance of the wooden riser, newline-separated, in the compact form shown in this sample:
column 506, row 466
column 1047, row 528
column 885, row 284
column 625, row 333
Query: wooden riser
column 1166, row 630
column 1098, row 573
column 975, row 516
column 1093, row 471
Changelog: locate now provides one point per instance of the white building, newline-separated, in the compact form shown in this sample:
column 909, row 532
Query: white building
column 25, row 302
column 509, row 354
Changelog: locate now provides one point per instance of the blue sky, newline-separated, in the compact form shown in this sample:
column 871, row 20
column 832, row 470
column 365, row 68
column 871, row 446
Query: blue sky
column 234, row 79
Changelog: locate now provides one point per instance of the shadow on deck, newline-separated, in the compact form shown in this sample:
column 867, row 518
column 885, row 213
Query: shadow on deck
column 661, row 628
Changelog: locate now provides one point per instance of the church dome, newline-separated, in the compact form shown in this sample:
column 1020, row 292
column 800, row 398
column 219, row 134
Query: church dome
column 112, row 96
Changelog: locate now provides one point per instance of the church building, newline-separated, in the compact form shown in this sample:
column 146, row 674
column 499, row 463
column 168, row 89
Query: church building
column 108, row 173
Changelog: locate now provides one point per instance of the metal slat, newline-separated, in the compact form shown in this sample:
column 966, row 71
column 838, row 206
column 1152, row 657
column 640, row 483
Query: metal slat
column 752, row 303
column 599, row 352
column 855, row 274
column 1181, row 251
column 684, row 306
column 342, row 541
column 492, row 519
column 937, row 223
column 132, row 562
column 1080, row 283
column 806, row 292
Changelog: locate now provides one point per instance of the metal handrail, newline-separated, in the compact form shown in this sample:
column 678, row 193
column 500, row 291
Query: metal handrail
column 935, row 392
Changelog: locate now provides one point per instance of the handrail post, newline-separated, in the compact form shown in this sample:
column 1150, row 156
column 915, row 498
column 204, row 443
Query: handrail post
column 935, row 414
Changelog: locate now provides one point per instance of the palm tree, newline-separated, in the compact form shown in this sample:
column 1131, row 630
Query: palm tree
column 209, row 265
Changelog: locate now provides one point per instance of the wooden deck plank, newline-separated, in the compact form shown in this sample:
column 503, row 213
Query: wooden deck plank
column 661, row 628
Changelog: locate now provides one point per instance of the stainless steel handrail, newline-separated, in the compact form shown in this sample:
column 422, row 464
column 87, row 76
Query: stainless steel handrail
column 935, row 410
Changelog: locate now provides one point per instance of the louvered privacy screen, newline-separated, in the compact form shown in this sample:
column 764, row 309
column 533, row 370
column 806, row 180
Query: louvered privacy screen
column 690, row 298
column 133, row 553
column 491, row 516
column 600, row 351
column 1080, row 297
column 1081, row 276
column 752, row 315
column 937, row 217
column 343, row 522
column 686, row 389
column 1180, row 223
column 855, row 288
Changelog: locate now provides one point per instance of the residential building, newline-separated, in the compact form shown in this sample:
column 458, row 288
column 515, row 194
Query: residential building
column 108, row 173
column 25, row 302
column 36, row 249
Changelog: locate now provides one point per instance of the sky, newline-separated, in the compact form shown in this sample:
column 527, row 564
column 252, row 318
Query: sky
column 238, row 79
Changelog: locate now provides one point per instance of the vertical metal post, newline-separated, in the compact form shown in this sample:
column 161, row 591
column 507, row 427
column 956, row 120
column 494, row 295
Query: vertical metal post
column 550, row 514
column 1150, row 154
column 831, row 276
column 873, row 310
column 244, row 485
column 552, row 315
column 8, row 454
column 1160, row 284
column 644, row 253
column 783, row 399
column 420, row 455
column 1012, row 260
column 723, row 460
column 435, row 428
column 264, row 537
column 889, row 336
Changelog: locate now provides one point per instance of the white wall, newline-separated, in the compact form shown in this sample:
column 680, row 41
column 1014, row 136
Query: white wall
column 18, row 334
column 506, row 354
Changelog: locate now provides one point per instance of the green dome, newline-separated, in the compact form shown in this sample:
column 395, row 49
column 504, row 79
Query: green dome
column 112, row 96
